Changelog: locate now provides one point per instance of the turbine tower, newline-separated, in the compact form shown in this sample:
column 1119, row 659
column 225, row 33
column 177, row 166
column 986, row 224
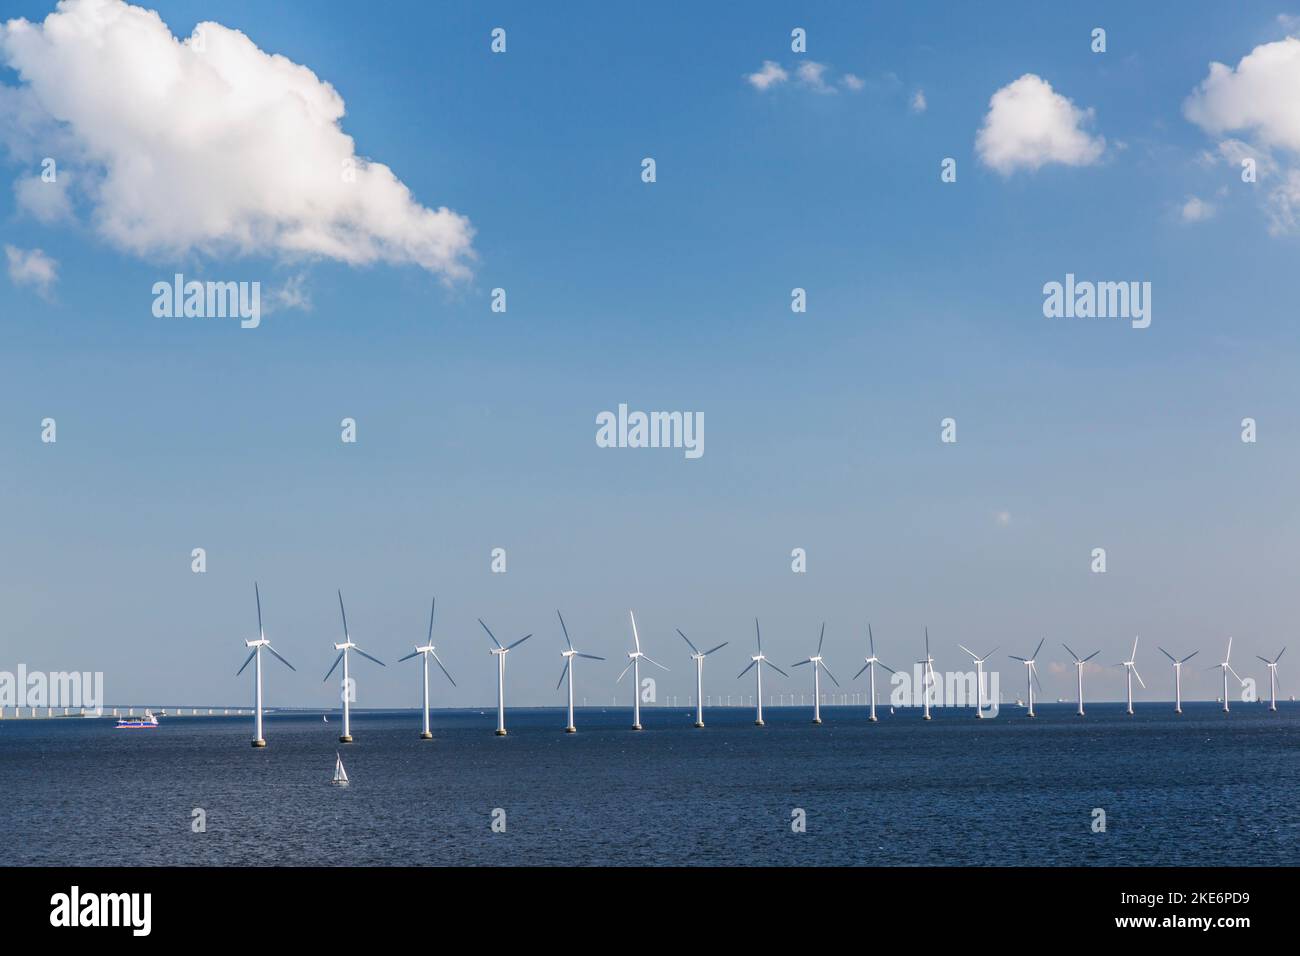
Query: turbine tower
column 634, row 665
column 979, row 678
column 1272, row 677
column 501, row 653
column 1178, row 677
column 1131, row 667
column 1225, row 667
column 347, row 645
column 871, row 663
column 817, row 662
column 256, row 654
column 698, row 656
column 927, row 676
column 758, row 660
column 1078, row 666
column 427, row 650
column 568, row 656
column 1031, row 674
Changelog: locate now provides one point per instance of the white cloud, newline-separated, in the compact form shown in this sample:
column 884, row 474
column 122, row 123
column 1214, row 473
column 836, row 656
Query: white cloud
column 1030, row 125
column 31, row 267
column 771, row 74
column 851, row 81
column 1196, row 209
column 214, row 147
column 918, row 104
column 292, row 294
column 1003, row 518
column 1257, row 97
column 813, row 75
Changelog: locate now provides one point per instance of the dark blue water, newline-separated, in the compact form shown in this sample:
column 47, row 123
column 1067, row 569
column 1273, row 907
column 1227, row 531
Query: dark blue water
column 1200, row 789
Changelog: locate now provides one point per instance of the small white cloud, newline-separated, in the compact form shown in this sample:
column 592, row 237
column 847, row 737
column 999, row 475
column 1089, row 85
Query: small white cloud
column 292, row 294
column 1030, row 125
column 813, row 76
column 918, row 103
column 31, row 267
column 1196, row 209
column 1003, row 518
column 851, row 81
column 771, row 74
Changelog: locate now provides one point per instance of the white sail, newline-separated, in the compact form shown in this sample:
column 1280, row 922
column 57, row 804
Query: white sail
column 340, row 775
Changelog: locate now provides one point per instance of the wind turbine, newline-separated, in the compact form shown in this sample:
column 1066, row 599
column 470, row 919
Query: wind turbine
column 1031, row 674
column 1272, row 677
column 979, row 678
column 427, row 650
column 1178, row 677
column 872, row 661
column 347, row 645
column 817, row 662
column 758, row 660
column 1078, row 666
column 1225, row 667
column 927, row 676
column 1131, row 666
column 698, row 656
column 568, row 656
column 634, row 665
column 256, row 654
column 501, row 653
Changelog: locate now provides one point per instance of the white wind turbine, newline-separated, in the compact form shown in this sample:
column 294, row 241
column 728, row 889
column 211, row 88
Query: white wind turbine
column 979, row 678
column 347, row 689
column 872, row 661
column 634, row 665
column 817, row 662
column 501, row 653
column 1225, row 667
column 758, row 660
column 698, row 656
column 1078, row 666
column 1031, row 674
column 1130, row 666
column 569, row 656
column 927, row 676
column 1178, row 677
column 427, row 650
column 1272, row 677
column 256, row 654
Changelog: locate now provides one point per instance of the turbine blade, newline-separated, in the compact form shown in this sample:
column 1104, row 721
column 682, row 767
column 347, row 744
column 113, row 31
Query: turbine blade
column 718, row 648
column 511, row 647
column 345, row 617
column 1067, row 647
column 859, row 673
column 968, row 651
column 282, row 660
column 1014, row 658
column 1037, row 649
column 758, row 634
column 1166, row 653
column 1279, row 655
column 746, row 670
column 444, row 670
column 625, row 670
column 566, row 633
column 431, row 609
column 1264, row 659
column 1090, row 657
column 246, row 662
column 562, row 673
column 369, row 658
column 688, row 641
column 653, row 661
column 801, row 663
column 830, row 675
column 927, row 642
column 887, row 667
column 489, row 633
column 1189, row 656
column 258, row 594
column 408, row 656
column 1033, row 670
column 1235, row 674
column 1139, row 677
column 332, row 666
column 1134, row 656
column 1228, row 656
column 775, row 668
column 635, row 636
column 821, row 639
column 591, row 657
column 990, row 653
column 872, row 639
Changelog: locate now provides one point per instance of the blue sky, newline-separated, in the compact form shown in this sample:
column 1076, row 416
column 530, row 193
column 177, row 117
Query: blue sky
column 476, row 429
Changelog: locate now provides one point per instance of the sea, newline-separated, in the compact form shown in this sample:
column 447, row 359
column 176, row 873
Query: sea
column 1201, row 789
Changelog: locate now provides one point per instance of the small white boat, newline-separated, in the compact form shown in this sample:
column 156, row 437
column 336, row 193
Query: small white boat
column 324, row 718
column 340, row 775
column 147, row 722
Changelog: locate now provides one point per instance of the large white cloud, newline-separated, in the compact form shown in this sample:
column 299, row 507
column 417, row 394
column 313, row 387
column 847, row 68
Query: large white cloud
column 1030, row 125
column 1260, row 96
column 207, row 144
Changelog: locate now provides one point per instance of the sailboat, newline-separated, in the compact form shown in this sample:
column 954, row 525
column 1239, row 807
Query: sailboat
column 325, row 718
column 340, row 775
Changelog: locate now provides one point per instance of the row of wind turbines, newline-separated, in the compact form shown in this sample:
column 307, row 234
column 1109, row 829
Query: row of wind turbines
column 757, row 662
